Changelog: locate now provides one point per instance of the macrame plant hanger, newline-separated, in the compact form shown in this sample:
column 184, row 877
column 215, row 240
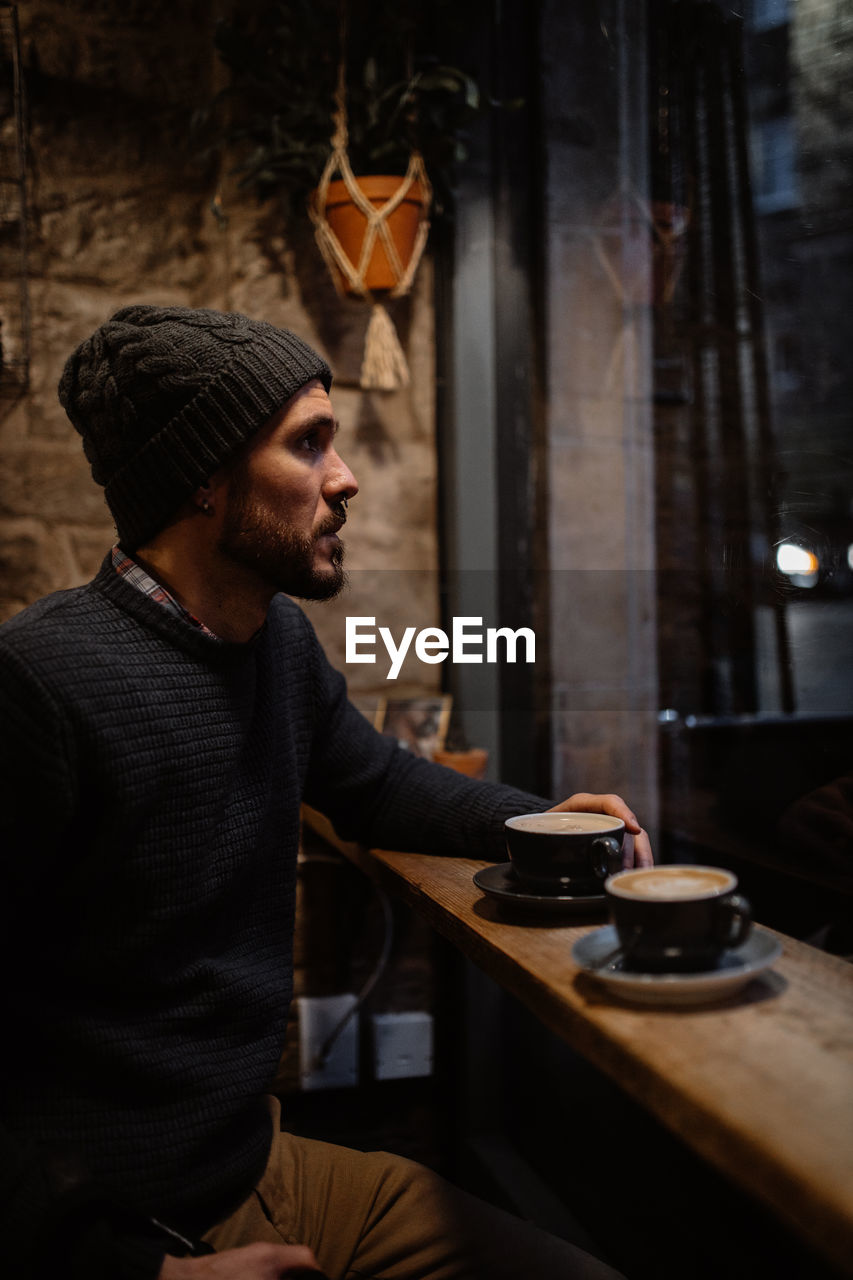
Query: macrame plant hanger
column 384, row 366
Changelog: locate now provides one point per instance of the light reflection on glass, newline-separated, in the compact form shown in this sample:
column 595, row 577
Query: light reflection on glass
column 797, row 562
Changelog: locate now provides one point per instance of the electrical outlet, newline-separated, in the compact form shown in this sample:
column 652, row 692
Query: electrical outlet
column 402, row 1045
column 318, row 1018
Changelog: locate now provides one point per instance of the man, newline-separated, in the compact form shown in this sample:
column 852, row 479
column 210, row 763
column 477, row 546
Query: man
column 161, row 727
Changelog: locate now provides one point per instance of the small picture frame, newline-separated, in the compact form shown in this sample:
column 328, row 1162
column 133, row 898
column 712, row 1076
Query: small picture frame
column 419, row 724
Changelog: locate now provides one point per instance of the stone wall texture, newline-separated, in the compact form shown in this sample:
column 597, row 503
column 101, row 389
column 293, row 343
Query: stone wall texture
column 122, row 209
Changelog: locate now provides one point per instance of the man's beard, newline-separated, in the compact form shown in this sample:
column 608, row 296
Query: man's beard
column 281, row 557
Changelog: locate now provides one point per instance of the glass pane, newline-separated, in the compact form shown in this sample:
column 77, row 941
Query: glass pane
column 751, row 155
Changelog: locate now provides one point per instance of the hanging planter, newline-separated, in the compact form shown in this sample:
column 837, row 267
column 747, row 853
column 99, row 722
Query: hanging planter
column 669, row 223
column 379, row 253
column 389, row 103
column 372, row 232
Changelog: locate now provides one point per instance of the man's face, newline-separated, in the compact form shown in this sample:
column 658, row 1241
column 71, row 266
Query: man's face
column 284, row 501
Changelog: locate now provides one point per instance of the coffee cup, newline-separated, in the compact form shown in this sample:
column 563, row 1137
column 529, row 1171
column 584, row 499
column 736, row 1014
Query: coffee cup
column 565, row 853
column 676, row 918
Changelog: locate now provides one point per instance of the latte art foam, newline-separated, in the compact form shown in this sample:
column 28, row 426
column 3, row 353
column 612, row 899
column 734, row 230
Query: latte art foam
column 669, row 883
column 563, row 823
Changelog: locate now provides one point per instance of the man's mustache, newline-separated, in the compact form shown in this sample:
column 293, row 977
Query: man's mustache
column 335, row 521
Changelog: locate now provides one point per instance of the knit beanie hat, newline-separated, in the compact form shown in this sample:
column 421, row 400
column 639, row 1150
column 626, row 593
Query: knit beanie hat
column 162, row 397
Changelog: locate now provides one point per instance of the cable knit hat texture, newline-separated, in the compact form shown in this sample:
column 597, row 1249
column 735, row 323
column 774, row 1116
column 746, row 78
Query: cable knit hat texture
column 162, row 397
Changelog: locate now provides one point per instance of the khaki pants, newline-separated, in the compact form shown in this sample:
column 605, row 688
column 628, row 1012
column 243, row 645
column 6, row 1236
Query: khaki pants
column 374, row 1216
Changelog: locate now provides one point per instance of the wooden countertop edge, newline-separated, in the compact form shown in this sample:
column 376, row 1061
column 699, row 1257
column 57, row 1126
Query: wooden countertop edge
column 824, row 1219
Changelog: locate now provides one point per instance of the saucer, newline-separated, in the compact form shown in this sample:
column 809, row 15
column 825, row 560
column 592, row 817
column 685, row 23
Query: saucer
column 734, row 970
column 502, row 883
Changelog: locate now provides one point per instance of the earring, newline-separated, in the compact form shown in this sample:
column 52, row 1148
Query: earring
column 205, row 506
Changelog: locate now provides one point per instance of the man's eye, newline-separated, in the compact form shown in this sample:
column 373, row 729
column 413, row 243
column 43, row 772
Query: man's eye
column 311, row 442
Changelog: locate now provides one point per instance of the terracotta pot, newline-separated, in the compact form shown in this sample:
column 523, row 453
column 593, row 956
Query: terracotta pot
column 349, row 225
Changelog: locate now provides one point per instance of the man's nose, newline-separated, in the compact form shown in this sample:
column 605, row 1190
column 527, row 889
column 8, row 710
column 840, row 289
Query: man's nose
column 340, row 481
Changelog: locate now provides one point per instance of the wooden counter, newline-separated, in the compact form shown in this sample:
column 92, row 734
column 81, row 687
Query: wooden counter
column 760, row 1084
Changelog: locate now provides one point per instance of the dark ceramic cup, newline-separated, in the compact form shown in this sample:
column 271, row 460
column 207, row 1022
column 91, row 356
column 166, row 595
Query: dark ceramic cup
column 676, row 919
column 565, row 853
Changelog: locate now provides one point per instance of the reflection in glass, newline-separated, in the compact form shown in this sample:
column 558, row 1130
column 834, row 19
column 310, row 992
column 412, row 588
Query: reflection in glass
column 754, row 456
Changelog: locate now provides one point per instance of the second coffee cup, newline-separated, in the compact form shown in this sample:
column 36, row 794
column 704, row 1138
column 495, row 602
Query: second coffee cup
column 677, row 918
column 566, row 853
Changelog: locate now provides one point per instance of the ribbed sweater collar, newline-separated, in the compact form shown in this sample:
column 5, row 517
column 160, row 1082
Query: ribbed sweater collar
column 155, row 618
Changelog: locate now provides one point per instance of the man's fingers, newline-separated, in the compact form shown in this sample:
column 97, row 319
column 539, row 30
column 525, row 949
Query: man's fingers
column 643, row 856
column 587, row 802
column 590, row 802
column 248, row 1262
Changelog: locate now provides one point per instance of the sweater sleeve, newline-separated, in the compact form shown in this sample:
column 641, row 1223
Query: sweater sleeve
column 377, row 793
column 49, row 1225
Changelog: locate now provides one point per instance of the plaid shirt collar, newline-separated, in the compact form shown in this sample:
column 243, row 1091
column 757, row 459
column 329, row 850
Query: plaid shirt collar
column 128, row 568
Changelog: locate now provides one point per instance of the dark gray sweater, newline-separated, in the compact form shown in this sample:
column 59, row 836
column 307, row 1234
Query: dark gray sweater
column 151, row 782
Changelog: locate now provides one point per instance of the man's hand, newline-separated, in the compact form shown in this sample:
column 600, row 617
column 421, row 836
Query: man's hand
column 253, row 1262
column 638, row 851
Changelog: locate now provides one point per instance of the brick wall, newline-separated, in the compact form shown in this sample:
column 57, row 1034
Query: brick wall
column 121, row 210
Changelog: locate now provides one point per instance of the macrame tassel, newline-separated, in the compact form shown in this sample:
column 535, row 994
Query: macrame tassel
column 384, row 366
